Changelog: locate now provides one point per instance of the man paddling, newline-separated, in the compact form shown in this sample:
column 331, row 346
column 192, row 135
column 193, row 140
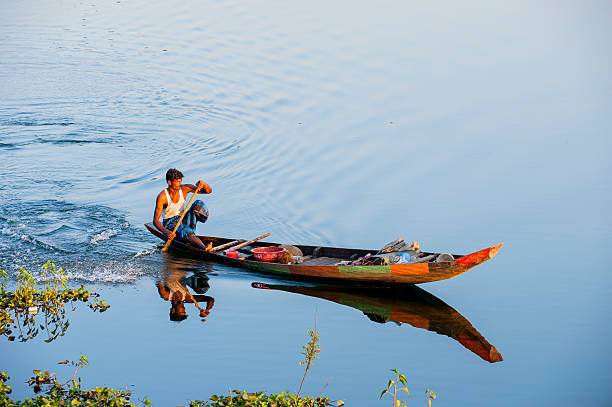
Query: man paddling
column 170, row 204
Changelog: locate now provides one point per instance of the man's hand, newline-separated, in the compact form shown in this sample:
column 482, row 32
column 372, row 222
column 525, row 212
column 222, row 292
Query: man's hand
column 171, row 235
column 204, row 188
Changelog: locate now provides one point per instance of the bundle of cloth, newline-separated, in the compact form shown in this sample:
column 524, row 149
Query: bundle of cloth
column 402, row 252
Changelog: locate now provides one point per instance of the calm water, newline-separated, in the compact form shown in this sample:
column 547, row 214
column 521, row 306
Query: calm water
column 348, row 124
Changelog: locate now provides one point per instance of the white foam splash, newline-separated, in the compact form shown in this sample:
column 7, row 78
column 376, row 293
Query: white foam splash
column 146, row 252
column 107, row 234
column 113, row 272
column 104, row 235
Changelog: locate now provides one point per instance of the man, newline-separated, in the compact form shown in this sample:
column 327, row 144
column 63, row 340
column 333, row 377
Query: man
column 173, row 287
column 170, row 205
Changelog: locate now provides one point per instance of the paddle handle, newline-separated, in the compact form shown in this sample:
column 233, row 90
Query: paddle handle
column 241, row 245
column 223, row 246
column 181, row 219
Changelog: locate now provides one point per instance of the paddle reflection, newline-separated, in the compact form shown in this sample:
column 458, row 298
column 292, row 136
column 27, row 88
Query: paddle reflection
column 173, row 286
column 411, row 305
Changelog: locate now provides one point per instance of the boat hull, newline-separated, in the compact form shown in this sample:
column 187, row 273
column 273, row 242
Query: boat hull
column 415, row 273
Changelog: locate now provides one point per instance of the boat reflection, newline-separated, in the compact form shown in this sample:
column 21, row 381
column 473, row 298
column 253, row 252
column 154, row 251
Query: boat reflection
column 411, row 305
column 173, row 285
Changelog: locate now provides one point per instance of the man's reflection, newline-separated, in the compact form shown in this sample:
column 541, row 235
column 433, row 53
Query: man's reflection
column 173, row 286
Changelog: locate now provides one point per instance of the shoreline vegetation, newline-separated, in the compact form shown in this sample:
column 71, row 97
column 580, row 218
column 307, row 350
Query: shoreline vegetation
column 19, row 309
column 18, row 312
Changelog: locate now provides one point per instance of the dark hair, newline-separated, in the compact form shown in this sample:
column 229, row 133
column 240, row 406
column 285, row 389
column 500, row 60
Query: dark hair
column 177, row 311
column 173, row 174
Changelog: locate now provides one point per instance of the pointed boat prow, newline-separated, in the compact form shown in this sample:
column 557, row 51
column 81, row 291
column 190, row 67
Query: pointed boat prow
column 493, row 250
column 474, row 259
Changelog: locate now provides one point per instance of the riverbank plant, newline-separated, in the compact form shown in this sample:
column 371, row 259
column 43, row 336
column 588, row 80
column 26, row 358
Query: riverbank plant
column 392, row 388
column 45, row 294
column 431, row 396
column 239, row 398
column 400, row 380
column 311, row 352
column 70, row 393
column 58, row 394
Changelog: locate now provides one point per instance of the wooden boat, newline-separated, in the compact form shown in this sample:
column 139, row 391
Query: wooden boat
column 322, row 263
column 410, row 305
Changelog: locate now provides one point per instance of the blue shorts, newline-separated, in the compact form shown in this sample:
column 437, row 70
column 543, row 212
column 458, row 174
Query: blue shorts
column 188, row 225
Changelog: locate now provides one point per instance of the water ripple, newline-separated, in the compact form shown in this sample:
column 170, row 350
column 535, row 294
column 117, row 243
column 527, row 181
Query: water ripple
column 77, row 237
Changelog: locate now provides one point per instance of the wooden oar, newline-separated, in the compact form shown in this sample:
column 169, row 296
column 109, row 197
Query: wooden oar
column 223, row 246
column 241, row 245
column 181, row 218
column 195, row 303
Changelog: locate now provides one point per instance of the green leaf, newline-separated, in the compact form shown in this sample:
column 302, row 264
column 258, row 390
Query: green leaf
column 384, row 392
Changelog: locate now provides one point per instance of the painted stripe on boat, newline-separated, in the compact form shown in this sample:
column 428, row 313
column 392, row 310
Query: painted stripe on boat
column 365, row 269
column 473, row 258
column 409, row 269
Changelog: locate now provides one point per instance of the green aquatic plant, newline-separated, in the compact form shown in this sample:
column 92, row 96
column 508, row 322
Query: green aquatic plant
column 4, row 388
column 19, row 308
column 393, row 384
column 69, row 393
column 430, row 396
column 392, row 388
column 240, row 398
column 311, row 352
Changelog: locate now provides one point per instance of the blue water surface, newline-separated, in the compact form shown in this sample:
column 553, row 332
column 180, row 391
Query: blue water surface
column 460, row 125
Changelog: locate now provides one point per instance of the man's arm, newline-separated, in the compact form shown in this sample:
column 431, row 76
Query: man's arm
column 204, row 187
column 159, row 207
column 163, row 291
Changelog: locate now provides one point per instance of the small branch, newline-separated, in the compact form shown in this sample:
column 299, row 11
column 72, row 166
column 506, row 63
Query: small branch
column 72, row 378
column 324, row 387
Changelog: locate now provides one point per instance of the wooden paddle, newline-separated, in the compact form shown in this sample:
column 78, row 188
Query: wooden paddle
column 181, row 218
column 223, row 246
column 241, row 245
column 202, row 312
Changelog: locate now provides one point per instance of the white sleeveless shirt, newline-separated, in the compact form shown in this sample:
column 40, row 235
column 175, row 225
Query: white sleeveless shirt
column 174, row 208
